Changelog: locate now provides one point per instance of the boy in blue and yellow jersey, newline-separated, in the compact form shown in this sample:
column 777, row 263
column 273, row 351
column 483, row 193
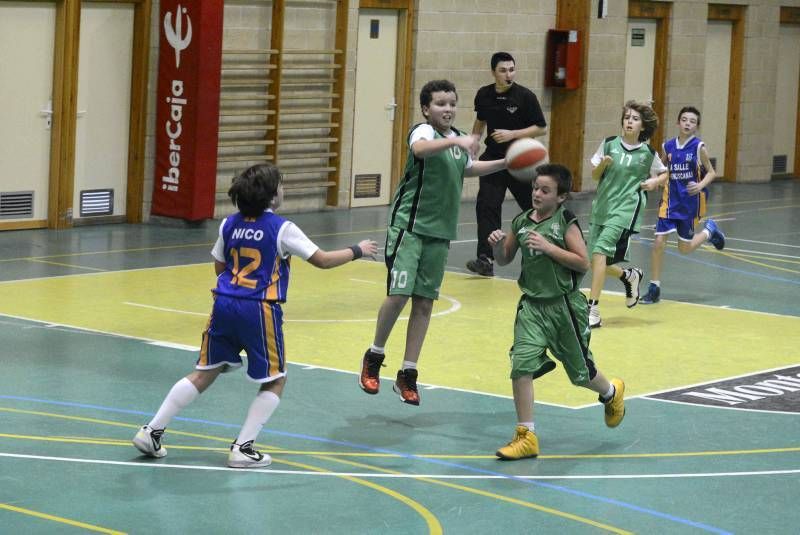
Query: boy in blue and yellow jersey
column 251, row 259
column 552, row 312
column 683, row 202
column 422, row 221
column 626, row 167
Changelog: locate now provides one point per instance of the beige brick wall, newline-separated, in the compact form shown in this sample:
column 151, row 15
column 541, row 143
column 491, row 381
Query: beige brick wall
column 454, row 39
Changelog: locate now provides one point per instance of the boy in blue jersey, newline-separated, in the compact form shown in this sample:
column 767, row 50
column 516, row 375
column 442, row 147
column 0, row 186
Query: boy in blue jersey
column 552, row 314
column 422, row 220
column 251, row 259
column 683, row 202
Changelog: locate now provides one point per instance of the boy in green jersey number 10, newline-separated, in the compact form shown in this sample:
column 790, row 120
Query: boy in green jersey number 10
column 626, row 166
column 422, row 221
column 552, row 312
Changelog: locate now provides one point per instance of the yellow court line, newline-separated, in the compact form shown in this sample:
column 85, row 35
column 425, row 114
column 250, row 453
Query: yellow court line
column 60, row 519
column 765, row 257
column 487, row 494
column 281, row 451
column 434, row 527
column 40, row 261
column 433, row 524
column 735, row 256
column 727, row 214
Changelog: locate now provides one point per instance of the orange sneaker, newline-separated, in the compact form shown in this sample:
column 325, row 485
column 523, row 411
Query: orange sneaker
column 370, row 379
column 406, row 386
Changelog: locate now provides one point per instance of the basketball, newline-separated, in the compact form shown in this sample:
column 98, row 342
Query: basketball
column 524, row 156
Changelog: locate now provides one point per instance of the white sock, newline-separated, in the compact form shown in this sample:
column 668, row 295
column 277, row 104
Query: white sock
column 375, row 349
column 529, row 425
column 610, row 393
column 657, row 283
column 707, row 233
column 182, row 393
column 260, row 411
column 408, row 365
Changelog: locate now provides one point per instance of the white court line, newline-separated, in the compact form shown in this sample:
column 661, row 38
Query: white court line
column 373, row 475
column 304, row 365
column 455, row 306
column 749, row 251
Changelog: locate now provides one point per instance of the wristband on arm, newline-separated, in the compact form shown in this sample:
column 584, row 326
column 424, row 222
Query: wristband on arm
column 357, row 252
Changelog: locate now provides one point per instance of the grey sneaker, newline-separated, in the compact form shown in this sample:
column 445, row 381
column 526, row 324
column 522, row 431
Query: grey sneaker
column 244, row 456
column 148, row 441
column 481, row 266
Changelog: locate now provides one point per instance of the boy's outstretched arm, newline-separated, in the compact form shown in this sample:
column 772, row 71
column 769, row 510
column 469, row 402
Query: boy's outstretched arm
column 480, row 168
column 504, row 246
column 330, row 259
column 423, row 148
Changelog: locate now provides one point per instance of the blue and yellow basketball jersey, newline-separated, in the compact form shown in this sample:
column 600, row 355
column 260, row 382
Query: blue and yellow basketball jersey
column 683, row 163
column 253, row 267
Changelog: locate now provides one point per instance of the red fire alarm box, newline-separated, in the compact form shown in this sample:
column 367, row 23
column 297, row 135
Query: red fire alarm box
column 563, row 59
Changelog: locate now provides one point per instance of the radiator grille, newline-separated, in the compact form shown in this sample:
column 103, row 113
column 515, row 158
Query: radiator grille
column 367, row 186
column 96, row 202
column 16, row 204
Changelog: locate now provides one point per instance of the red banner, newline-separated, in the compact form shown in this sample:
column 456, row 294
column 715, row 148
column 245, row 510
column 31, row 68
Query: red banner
column 187, row 108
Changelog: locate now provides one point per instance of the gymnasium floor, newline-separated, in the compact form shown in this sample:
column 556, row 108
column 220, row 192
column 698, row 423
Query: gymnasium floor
column 97, row 323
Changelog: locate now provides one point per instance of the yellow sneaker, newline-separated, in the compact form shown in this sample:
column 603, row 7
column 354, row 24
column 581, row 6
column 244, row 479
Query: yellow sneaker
column 615, row 407
column 524, row 444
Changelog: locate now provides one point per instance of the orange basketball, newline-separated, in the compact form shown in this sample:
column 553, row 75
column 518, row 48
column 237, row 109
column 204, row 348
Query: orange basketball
column 524, row 156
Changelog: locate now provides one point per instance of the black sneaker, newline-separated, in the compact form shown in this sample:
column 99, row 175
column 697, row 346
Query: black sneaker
column 370, row 378
column 481, row 266
column 631, row 278
column 406, row 386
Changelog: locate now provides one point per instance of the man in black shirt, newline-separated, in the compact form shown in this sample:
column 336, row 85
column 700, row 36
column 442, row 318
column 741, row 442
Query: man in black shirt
column 511, row 111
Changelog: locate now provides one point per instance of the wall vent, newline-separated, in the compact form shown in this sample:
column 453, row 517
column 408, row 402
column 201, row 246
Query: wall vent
column 95, row 202
column 16, row 204
column 367, row 186
column 779, row 164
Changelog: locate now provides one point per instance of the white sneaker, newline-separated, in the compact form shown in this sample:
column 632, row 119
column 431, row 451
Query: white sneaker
column 594, row 317
column 631, row 278
column 244, row 456
column 148, row 441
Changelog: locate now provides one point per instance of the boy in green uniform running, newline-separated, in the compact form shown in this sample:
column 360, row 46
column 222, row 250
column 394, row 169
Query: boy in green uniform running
column 626, row 167
column 422, row 221
column 552, row 312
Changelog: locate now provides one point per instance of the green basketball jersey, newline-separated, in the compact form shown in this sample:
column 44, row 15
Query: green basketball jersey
column 619, row 200
column 541, row 276
column 428, row 197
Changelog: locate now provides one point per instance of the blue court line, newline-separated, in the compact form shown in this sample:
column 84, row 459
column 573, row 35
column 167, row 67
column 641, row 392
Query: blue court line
column 408, row 456
column 690, row 258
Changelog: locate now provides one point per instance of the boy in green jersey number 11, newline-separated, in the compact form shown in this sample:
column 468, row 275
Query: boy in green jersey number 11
column 552, row 312
column 422, row 221
column 625, row 166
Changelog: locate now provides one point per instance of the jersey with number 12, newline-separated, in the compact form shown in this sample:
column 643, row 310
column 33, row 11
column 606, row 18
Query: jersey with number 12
column 253, row 267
